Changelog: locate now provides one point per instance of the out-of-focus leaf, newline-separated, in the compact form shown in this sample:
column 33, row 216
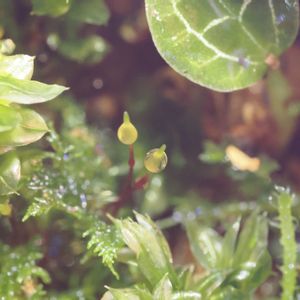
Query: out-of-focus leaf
column 155, row 200
column 7, row 46
column 17, row 66
column 152, row 251
column 212, row 153
column 222, row 45
column 30, row 129
column 9, row 118
column 91, row 12
column 205, row 243
column 230, row 293
column 10, row 173
column 240, row 266
column 187, row 296
column 163, row 290
column 53, row 8
column 228, row 245
column 210, row 283
column 253, row 237
column 20, row 273
column 127, row 294
column 251, row 274
column 27, row 91
column 89, row 50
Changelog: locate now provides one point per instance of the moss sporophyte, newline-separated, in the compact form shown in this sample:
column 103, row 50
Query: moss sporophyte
column 127, row 133
column 156, row 160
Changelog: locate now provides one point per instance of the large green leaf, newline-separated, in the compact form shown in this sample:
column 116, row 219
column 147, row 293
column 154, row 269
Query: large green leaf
column 27, row 91
column 222, row 44
column 17, row 66
column 91, row 12
column 53, row 8
column 9, row 173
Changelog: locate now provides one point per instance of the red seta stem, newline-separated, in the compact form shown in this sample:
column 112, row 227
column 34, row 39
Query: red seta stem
column 130, row 186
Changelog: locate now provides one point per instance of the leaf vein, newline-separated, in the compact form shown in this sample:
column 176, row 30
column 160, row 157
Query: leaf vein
column 202, row 39
column 276, row 32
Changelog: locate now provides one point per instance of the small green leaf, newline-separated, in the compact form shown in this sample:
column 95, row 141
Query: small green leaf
column 27, row 91
column 9, row 118
column 205, row 243
column 9, row 173
column 253, row 237
column 228, row 245
column 127, row 294
column 212, row 153
column 17, row 66
column 53, row 8
column 89, row 50
column 30, row 129
column 163, row 290
column 150, row 247
column 224, row 44
column 91, row 12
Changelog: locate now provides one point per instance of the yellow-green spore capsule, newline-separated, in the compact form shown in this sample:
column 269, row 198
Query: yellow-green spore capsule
column 156, row 160
column 127, row 133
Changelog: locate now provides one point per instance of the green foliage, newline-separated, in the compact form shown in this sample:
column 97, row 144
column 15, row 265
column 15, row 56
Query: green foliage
column 90, row 50
column 104, row 241
column 69, row 186
column 14, row 90
column 233, row 271
column 19, row 126
column 223, row 45
column 10, row 173
column 147, row 242
column 288, row 243
column 20, row 275
column 91, row 12
column 52, row 8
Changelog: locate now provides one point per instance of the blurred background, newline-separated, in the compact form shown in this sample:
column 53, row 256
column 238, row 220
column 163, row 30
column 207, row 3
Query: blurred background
column 115, row 67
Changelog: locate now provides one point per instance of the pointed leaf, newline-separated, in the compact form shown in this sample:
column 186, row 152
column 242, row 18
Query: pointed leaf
column 27, row 91
column 152, row 251
column 253, row 238
column 163, row 290
column 205, row 243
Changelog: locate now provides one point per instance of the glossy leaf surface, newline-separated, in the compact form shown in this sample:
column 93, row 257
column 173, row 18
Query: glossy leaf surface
column 27, row 91
column 9, row 173
column 224, row 44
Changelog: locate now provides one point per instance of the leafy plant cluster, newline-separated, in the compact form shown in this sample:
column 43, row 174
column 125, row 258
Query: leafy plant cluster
column 73, row 194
